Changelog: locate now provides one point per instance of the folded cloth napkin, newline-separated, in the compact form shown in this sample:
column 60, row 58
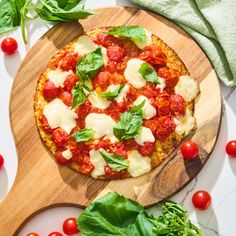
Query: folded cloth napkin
column 212, row 23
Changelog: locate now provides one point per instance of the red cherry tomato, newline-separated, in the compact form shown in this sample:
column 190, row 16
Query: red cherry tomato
column 59, row 137
column 50, row 91
column 177, row 105
column 9, row 45
column 66, row 98
column 1, row 161
column 70, row 226
column 231, row 148
column 55, row 234
column 189, row 150
column 115, row 53
column 70, row 82
column 201, row 200
column 32, row 234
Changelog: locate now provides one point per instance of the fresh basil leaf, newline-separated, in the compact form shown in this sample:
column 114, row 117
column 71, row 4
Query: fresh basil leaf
column 130, row 123
column 112, row 95
column 149, row 73
column 89, row 65
column 53, row 10
column 78, row 94
column 9, row 16
column 83, row 135
column 116, row 162
column 135, row 33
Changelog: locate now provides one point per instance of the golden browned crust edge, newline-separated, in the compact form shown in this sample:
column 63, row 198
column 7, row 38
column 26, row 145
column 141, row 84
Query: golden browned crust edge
column 162, row 149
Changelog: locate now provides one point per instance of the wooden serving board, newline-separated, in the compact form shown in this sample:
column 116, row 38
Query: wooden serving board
column 41, row 183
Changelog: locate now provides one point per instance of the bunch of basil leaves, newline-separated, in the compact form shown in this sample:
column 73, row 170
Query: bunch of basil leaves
column 14, row 13
column 116, row 215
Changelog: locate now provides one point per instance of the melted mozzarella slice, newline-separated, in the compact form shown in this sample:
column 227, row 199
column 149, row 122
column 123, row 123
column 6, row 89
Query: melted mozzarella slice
column 145, row 135
column 123, row 93
column 162, row 84
column 148, row 40
column 85, row 45
column 67, row 154
column 102, row 124
column 138, row 164
column 59, row 115
column 187, row 87
column 58, row 76
column 98, row 162
column 148, row 110
column 184, row 124
column 132, row 74
column 98, row 101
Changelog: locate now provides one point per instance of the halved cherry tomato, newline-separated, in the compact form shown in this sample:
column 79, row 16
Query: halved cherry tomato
column 68, row 62
column 115, row 53
column 177, row 105
column 61, row 159
column 146, row 149
column 165, row 127
column 171, row 76
column 201, row 200
column 163, row 105
column 101, row 80
column 189, row 150
column 107, row 40
column 32, row 234
column 55, row 234
column 50, row 91
column 9, row 45
column 70, row 226
column 66, row 98
column 70, row 82
column 59, row 137
column 45, row 124
column 231, row 148
column 1, row 161
column 152, row 124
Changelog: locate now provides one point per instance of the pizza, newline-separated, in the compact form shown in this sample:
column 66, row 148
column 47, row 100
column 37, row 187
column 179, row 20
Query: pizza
column 115, row 102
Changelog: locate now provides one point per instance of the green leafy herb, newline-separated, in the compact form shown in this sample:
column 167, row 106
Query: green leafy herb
column 149, row 73
column 116, row 215
column 116, row 162
column 130, row 123
column 78, row 93
column 112, row 95
column 89, row 65
column 54, row 10
column 83, row 135
column 9, row 16
column 135, row 33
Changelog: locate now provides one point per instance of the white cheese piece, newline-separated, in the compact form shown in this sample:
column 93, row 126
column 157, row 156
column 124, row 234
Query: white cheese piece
column 123, row 93
column 58, row 76
column 59, row 115
column 85, row 45
column 148, row 110
column 67, row 154
column 148, row 40
column 162, row 84
column 98, row 162
column 98, row 101
column 132, row 75
column 102, row 124
column 138, row 164
column 187, row 87
column 184, row 124
column 145, row 135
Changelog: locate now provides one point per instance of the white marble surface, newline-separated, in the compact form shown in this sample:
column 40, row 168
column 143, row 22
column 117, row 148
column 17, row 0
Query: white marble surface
column 218, row 176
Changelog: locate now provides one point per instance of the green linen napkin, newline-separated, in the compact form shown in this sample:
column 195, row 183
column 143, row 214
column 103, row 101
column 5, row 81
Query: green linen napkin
column 212, row 23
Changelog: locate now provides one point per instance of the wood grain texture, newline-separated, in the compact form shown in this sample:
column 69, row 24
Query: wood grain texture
column 41, row 182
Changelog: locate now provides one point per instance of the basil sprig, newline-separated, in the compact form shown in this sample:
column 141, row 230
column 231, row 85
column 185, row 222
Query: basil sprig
column 135, row 33
column 130, row 123
column 149, row 73
column 112, row 95
column 78, row 93
column 116, row 162
column 83, row 135
column 89, row 65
